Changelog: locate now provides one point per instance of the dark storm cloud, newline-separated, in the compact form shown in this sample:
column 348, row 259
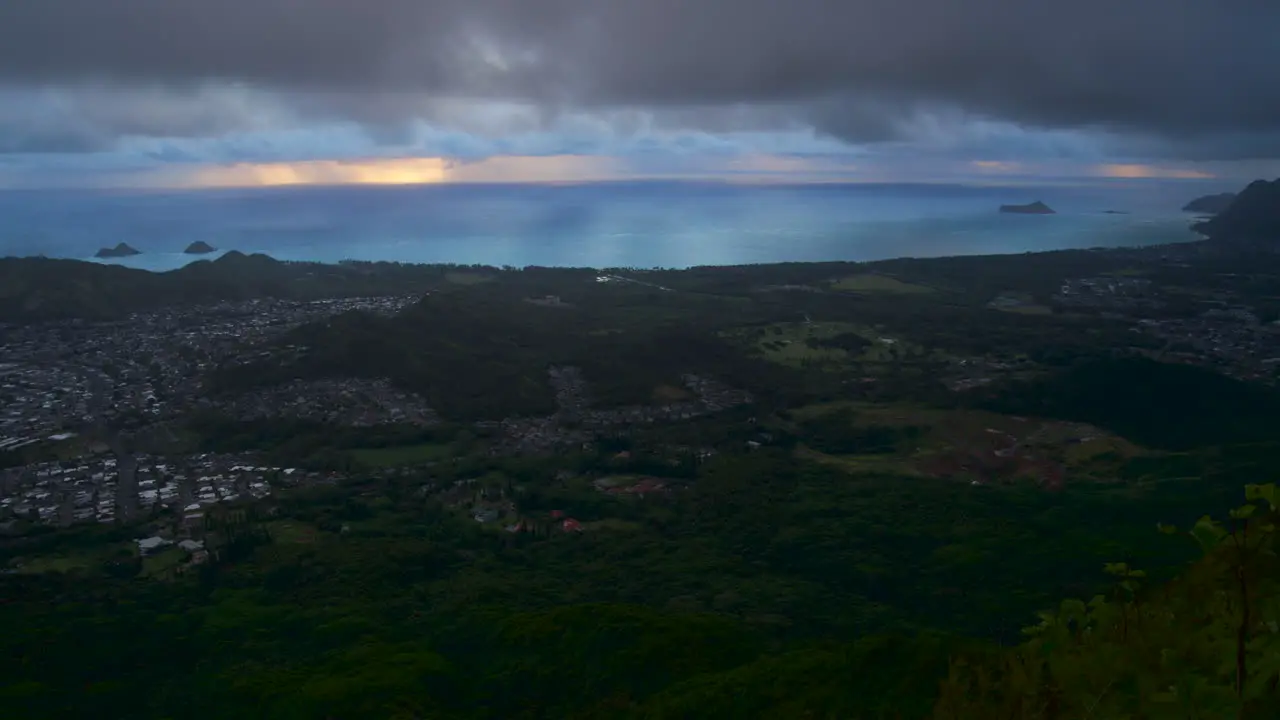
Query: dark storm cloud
column 1192, row 71
column 85, row 119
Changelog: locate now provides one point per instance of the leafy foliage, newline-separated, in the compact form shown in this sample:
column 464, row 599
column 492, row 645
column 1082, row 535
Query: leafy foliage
column 1205, row 645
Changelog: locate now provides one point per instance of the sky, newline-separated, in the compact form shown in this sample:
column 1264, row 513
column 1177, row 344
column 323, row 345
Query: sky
column 216, row 93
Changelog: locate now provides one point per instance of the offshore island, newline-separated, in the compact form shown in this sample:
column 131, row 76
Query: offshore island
column 119, row 251
column 199, row 247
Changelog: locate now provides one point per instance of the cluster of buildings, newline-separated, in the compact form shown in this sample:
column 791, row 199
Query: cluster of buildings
column 966, row 373
column 1220, row 332
column 577, row 423
column 58, row 377
column 1230, row 340
column 341, row 401
column 105, row 488
column 1113, row 292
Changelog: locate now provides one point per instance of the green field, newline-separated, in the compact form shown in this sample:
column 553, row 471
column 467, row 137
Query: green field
column 292, row 532
column 401, row 455
column 1019, row 303
column 789, row 344
column 858, row 464
column 58, row 563
column 873, row 283
column 1087, row 451
column 786, row 343
column 82, row 559
column 162, row 562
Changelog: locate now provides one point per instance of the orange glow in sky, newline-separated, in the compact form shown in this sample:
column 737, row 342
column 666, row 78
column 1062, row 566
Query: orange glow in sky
column 997, row 166
column 1151, row 171
column 587, row 168
column 405, row 171
column 414, row 171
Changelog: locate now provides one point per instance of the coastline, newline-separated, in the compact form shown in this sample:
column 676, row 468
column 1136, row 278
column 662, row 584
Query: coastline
column 168, row 262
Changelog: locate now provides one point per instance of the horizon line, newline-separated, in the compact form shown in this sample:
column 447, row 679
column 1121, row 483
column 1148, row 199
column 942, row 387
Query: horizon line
column 1012, row 182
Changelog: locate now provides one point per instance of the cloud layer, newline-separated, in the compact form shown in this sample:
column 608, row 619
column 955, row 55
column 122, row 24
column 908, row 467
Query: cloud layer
column 995, row 80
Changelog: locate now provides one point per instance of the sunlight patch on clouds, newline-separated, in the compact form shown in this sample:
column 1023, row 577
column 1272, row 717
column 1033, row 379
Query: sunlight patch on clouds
column 1131, row 171
column 997, row 166
column 414, row 171
column 399, row 171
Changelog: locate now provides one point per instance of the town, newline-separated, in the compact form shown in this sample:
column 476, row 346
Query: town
column 77, row 388
column 55, row 378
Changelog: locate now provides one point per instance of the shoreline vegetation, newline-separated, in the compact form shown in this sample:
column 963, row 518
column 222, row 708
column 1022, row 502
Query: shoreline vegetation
column 40, row 288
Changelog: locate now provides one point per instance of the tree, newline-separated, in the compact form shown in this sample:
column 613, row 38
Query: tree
column 1206, row 644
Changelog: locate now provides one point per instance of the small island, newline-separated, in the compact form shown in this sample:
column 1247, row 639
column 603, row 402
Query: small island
column 1035, row 208
column 1211, row 204
column 199, row 247
column 119, row 251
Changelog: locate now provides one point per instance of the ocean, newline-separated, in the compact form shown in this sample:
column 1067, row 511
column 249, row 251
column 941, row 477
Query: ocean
column 643, row 225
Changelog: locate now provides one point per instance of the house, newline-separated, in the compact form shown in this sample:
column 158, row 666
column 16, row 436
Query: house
column 571, row 525
column 147, row 546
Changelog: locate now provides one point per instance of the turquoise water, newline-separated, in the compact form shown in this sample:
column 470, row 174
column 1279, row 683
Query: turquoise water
column 617, row 225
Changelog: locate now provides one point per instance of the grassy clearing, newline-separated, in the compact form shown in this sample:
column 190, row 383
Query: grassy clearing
column 1074, row 445
column 162, row 562
column 467, row 278
column 793, row 344
column 58, row 563
column 874, row 283
column 787, row 343
column 86, row 559
column 859, row 464
column 617, row 480
column 1102, row 446
column 1019, row 303
column 293, row 532
column 401, row 455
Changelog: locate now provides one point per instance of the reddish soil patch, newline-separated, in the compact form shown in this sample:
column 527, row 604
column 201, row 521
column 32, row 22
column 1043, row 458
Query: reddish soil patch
column 987, row 467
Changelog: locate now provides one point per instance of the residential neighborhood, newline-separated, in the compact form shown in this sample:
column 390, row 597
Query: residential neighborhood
column 57, row 377
column 103, row 489
column 341, row 401
column 576, row 423
column 1217, row 330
